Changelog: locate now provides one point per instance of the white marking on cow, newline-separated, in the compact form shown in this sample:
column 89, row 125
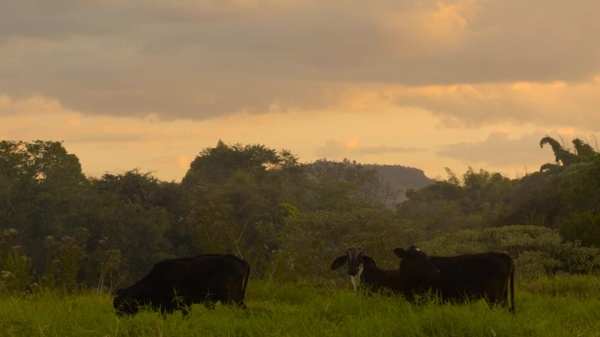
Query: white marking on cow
column 356, row 278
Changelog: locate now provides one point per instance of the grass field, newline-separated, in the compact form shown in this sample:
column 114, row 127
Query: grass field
column 567, row 306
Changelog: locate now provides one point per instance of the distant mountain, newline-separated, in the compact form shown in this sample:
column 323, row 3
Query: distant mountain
column 397, row 178
column 401, row 177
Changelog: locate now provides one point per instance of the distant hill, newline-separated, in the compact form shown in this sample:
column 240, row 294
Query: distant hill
column 401, row 177
column 397, row 178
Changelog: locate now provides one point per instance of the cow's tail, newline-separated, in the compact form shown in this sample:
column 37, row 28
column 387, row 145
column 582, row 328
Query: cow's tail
column 245, row 280
column 512, row 289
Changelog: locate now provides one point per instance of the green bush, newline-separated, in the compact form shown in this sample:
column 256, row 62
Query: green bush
column 580, row 287
column 16, row 271
column 536, row 250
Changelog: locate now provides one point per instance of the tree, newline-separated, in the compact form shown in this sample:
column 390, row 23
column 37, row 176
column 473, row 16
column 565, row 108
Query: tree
column 216, row 165
column 477, row 200
column 230, row 218
column 40, row 187
column 558, row 194
column 346, row 185
column 582, row 152
column 129, row 214
column 14, row 265
column 232, row 193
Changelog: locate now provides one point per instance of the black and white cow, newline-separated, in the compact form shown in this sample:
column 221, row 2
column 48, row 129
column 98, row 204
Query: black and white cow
column 364, row 271
column 175, row 284
column 461, row 278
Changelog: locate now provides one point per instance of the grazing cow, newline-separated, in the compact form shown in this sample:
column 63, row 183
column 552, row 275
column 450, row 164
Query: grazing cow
column 461, row 278
column 363, row 269
column 175, row 284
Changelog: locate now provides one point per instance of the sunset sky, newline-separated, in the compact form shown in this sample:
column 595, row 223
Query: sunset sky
column 429, row 84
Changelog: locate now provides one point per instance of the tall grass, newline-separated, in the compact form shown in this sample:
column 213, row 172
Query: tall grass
column 546, row 307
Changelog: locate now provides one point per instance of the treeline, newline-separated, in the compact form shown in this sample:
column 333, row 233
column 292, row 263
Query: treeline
column 62, row 229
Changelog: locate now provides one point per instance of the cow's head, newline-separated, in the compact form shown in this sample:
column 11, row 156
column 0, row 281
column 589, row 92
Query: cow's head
column 354, row 258
column 124, row 304
column 416, row 265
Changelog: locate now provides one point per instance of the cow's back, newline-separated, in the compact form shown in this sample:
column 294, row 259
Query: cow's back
column 457, row 278
column 211, row 276
column 471, row 276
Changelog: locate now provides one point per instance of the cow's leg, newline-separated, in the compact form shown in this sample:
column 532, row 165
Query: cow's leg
column 497, row 295
column 235, row 299
column 505, row 294
column 495, row 299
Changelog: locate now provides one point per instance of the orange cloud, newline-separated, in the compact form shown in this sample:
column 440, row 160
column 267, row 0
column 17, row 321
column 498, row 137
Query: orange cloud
column 445, row 25
column 34, row 105
column 351, row 143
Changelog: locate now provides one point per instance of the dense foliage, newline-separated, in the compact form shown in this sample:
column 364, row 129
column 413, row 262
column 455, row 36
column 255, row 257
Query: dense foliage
column 61, row 229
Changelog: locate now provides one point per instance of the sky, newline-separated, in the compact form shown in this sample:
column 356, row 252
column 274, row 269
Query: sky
column 149, row 84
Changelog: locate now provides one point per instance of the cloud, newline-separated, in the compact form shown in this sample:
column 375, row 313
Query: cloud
column 499, row 151
column 553, row 104
column 205, row 59
column 340, row 149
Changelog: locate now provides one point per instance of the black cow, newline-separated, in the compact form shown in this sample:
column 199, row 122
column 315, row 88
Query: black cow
column 364, row 270
column 175, row 284
column 461, row 278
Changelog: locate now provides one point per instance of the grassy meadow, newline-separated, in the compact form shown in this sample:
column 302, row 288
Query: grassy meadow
column 562, row 306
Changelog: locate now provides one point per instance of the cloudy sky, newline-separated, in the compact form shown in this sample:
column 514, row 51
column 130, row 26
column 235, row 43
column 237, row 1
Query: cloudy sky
column 430, row 84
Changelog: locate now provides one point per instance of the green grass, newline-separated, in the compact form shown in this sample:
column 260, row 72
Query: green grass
column 546, row 307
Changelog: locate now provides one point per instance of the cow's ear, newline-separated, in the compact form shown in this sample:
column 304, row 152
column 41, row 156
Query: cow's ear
column 401, row 253
column 340, row 261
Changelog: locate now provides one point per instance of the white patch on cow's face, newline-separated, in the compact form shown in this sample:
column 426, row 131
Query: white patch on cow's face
column 417, row 249
column 356, row 278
